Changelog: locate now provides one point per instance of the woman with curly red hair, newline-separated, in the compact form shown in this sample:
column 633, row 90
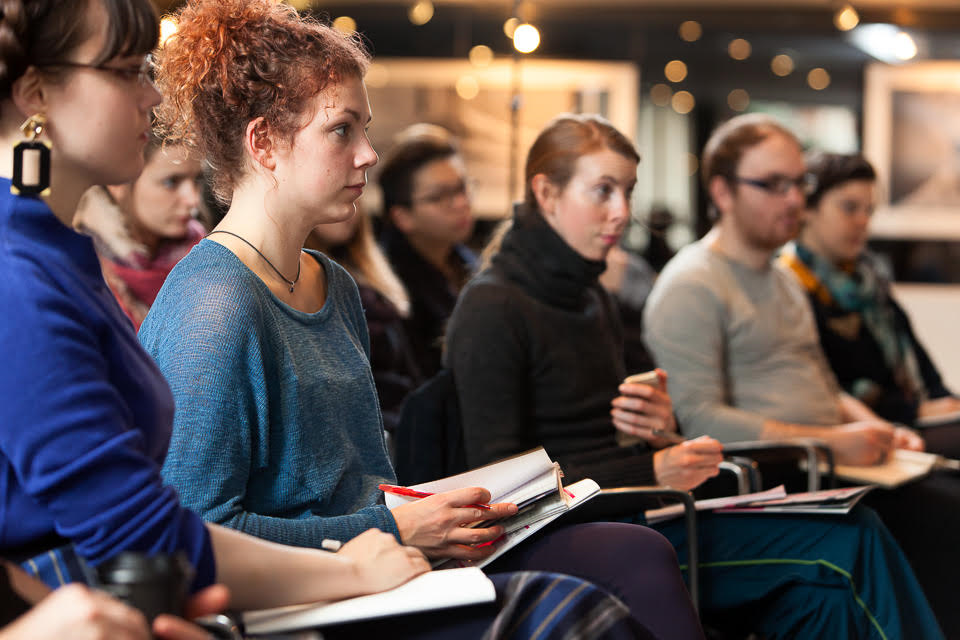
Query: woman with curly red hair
column 278, row 431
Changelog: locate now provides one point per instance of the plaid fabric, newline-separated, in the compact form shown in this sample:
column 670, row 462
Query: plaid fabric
column 58, row 567
column 549, row 605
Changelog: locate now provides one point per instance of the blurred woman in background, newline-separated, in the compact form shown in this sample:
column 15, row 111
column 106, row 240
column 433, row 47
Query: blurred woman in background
column 385, row 305
column 865, row 334
column 141, row 229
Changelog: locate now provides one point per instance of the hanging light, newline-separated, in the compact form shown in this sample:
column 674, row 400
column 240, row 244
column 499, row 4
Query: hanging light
column 690, row 30
column 345, row 25
column 738, row 99
column 846, row 18
column 660, row 94
column 168, row 28
column 818, row 79
column 526, row 38
column 675, row 71
column 904, row 46
column 739, row 49
column 683, row 102
column 782, row 65
column 467, row 87
column 481, row 56
column 421, row 12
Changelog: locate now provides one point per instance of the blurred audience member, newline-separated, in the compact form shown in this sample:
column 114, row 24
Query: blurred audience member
column 658, row 252
column 537, row 360
column 385, row 305
column 427, row 218
column 865, row 334
column 143, row 228
column 629, row 279
column 737, row 333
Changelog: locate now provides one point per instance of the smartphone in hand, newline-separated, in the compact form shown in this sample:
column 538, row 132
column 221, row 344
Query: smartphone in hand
column 650, row 378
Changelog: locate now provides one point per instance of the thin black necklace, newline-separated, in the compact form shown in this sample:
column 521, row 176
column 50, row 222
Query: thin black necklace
column 292, row 283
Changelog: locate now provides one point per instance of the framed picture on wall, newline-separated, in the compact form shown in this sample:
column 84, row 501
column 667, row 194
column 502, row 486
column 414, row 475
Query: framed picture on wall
column 475, row 104
column 912, row 136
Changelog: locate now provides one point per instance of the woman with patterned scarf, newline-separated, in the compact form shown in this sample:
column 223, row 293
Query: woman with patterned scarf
column 865, row 334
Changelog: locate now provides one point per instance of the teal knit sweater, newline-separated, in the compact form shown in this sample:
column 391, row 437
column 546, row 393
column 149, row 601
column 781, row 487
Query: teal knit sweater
column 277, row 430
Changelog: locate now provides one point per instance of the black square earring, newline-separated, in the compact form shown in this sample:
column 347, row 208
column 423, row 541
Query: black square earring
column 31, row 160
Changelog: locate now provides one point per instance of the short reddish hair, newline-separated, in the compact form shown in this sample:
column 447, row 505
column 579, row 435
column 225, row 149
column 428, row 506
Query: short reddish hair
column 232, row 61
column 563, row 141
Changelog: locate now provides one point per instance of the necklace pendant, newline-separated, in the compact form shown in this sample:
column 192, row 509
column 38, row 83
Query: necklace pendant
column 291, row 288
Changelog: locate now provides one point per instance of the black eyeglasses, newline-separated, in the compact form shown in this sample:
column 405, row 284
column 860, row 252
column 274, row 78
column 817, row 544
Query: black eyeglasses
column 780, row 185
column 142, row 73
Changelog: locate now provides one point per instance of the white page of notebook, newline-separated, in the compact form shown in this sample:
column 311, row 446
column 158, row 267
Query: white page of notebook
column 903, row 466
column 433, row 590
column 499, row 478
column 579, row 492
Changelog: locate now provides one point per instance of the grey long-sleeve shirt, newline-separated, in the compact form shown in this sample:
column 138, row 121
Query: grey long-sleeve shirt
column 740, row 345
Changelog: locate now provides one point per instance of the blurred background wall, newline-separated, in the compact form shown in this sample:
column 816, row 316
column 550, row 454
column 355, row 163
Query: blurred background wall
column 882, row 76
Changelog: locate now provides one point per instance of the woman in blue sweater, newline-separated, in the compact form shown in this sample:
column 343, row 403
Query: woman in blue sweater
column 278, row 431
column 86, row 416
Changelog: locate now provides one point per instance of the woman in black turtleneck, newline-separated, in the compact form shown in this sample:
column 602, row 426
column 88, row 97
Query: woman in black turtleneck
column 536, row 352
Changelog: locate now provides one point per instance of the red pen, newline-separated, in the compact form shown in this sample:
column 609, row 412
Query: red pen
column 413, row 493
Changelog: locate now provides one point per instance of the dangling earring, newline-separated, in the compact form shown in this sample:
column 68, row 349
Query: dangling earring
column 31, row 160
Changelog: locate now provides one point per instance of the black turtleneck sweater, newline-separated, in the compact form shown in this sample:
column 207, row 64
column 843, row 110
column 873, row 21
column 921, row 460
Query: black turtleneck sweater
column 536, row 352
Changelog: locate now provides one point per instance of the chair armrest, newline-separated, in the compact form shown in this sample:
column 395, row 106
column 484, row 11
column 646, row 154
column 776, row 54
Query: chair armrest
column 740, row 468
column 749, row 468
column 631, row 501
column 809, row 449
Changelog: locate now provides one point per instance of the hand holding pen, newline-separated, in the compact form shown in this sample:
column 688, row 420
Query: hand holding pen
column 413, row 493
column 437, row 523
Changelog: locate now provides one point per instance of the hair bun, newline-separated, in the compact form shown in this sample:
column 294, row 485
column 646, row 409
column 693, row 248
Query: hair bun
column 233, row 61
column 13, row 56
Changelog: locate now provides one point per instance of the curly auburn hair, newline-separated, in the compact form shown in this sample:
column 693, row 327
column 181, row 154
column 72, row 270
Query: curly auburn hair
column 233, row 61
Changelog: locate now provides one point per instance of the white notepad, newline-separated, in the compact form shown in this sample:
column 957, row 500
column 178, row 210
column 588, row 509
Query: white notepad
column 427, row 592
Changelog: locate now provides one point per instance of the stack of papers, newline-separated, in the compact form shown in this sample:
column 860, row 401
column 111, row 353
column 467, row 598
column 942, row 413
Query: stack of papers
column 776, row 500
column 835, row 501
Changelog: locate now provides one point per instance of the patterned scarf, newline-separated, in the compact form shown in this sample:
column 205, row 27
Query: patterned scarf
column 864, row 290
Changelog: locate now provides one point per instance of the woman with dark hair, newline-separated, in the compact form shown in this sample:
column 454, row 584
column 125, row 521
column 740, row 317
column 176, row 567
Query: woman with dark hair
column 143, row 228
column 86, row 416
column 427, row 218
column 864, row 333
column 536, row 352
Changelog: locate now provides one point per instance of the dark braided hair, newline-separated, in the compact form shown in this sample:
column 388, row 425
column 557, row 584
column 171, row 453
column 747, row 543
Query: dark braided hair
column 41, row 33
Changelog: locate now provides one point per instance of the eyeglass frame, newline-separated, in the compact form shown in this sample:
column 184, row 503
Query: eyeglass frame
column 448, row 195
column 142, row 74
column 780, row 185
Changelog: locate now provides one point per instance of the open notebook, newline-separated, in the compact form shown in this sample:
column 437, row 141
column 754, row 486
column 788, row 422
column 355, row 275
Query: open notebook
column 902, row 467
column 530, row 480
column 427, row 592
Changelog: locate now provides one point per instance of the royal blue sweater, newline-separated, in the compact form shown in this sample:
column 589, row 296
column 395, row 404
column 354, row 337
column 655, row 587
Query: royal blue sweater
column 278, row 431
column 85, row 415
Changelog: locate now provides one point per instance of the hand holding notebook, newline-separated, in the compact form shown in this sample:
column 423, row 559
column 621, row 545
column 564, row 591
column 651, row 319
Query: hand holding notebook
column 531, row 481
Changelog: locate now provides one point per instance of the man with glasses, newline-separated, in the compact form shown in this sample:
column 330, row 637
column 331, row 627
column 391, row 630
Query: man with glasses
column 734, row 330
column 427, row 218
